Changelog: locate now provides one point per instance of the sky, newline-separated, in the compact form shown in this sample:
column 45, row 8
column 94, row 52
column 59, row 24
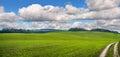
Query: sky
column 14, row 5
column 60, row 14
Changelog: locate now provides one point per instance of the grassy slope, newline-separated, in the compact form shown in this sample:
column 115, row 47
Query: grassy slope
column 55, row 44
column 110, row 52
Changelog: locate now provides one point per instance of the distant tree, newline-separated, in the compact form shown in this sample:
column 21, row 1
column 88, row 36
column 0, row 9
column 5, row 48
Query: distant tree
column 104, row 30
column 77, row 29
column 11, row 30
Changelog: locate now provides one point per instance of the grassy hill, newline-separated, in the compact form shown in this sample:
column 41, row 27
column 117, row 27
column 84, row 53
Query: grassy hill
column 55, row 44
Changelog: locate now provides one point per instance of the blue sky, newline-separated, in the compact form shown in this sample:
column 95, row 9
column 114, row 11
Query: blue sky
column 14, row 5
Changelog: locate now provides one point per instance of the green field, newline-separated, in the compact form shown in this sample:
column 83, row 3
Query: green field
column 55, row 44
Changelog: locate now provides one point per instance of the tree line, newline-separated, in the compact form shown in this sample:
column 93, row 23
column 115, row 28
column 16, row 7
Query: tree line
column 12, row 30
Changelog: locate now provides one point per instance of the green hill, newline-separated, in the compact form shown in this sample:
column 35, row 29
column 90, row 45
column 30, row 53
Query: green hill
column 55, row 44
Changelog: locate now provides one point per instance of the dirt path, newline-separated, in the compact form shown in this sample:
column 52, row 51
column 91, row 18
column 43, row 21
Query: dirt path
column 104, row 52
column 116, row 54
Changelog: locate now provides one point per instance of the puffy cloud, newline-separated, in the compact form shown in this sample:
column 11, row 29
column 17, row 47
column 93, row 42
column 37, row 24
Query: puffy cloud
column 50, row 25
column 102, row 4
column 113, row 13
column 1, row 9
column 71, row 10
column 13, row 25
column 8, row 17
column 102, row 9
column 88, row 25
column 36, row 12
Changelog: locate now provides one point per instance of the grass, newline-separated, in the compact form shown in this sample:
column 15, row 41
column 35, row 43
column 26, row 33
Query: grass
column 55, row 44
column 110, row 51
column 119, row 48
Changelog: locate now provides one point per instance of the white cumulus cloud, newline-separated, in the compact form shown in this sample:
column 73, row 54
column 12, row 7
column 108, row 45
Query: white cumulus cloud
column 102, row 4
column 36, row 12
column 7, row 16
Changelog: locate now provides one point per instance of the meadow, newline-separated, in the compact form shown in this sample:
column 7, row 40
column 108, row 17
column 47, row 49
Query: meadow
column 55, row 44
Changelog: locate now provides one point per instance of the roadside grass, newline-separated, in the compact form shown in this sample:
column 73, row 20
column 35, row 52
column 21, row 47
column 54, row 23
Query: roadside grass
column 119, row 48
column 110, row 51
column 55, row 44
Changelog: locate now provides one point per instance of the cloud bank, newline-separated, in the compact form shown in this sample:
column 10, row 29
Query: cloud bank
column 96, row 5
column 36, row 12
column 97, row 9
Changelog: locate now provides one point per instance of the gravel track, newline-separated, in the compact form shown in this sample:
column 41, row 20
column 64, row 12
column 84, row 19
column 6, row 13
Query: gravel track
column 104, row 52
